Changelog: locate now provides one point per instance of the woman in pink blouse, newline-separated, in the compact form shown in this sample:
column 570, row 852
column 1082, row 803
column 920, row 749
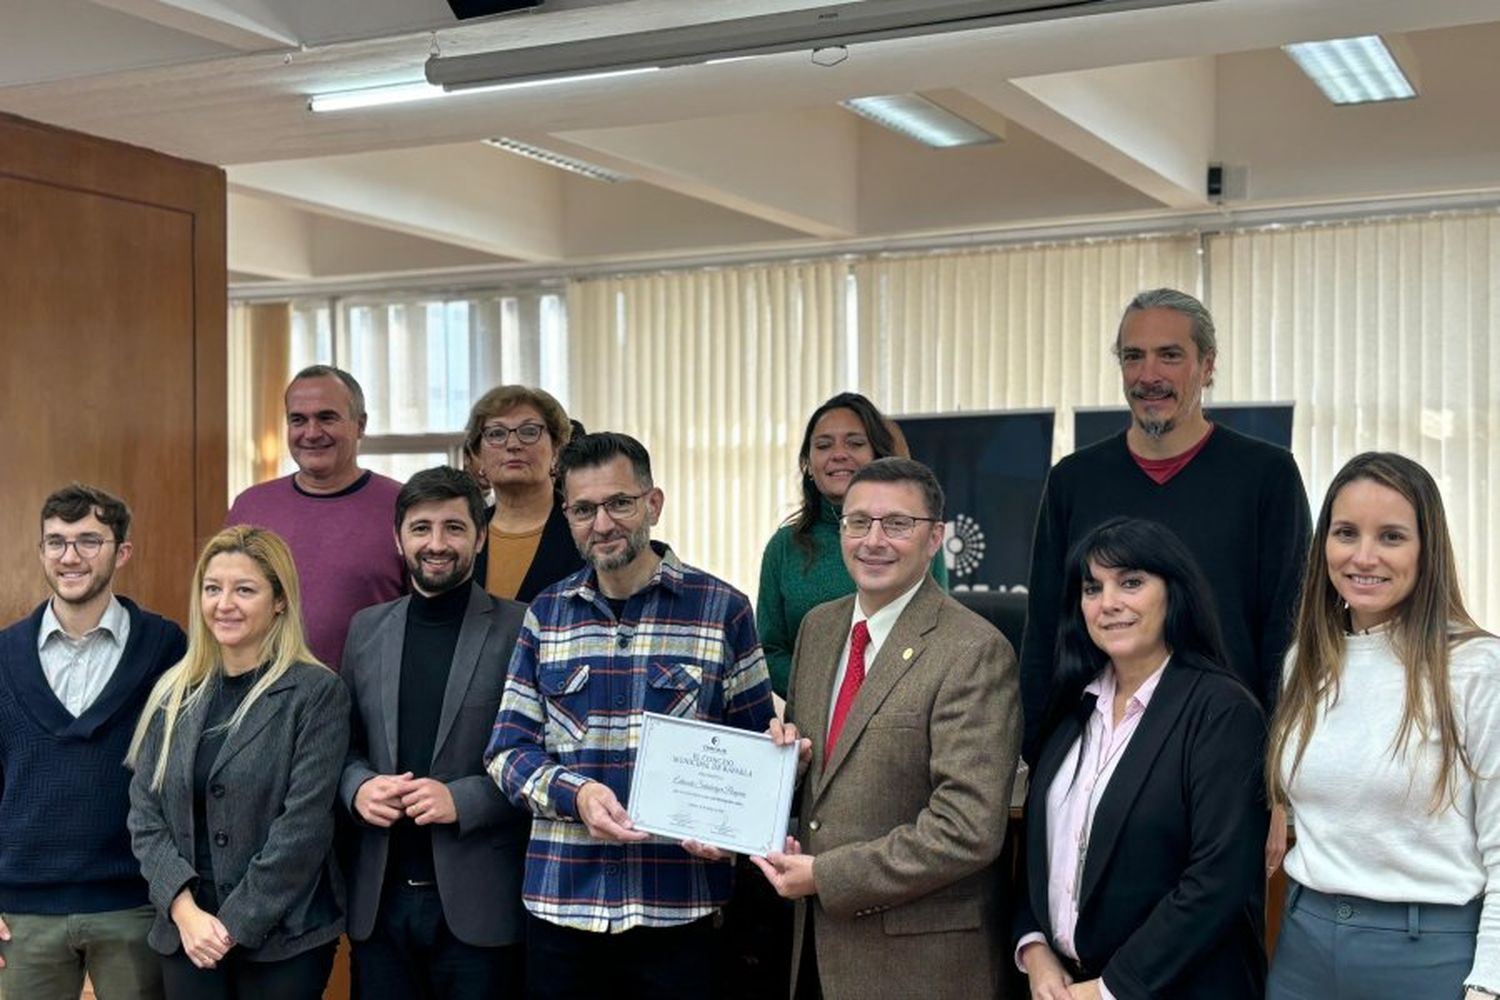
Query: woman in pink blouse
column 1145, row 817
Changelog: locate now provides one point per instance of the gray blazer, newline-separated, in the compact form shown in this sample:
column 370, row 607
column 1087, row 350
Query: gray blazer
column 479, row 859
column 271, row 806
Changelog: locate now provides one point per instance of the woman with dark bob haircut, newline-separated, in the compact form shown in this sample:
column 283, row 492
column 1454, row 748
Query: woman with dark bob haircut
column 1145, row 817
column 803, row 564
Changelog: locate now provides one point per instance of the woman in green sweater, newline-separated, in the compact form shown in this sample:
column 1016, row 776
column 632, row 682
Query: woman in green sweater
column 803, row 565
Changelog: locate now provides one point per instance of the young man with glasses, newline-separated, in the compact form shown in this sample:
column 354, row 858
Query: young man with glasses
column 912, row 705
column 74, row 676
column 611, row 910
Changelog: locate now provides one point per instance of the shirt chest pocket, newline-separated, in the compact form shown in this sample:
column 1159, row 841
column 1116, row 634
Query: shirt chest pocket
column 674, row 689
column 565, row 692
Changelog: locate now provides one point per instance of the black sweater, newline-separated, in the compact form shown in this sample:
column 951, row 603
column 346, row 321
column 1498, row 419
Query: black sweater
column 64, row 789
column 1240, row 508
column 432, row 627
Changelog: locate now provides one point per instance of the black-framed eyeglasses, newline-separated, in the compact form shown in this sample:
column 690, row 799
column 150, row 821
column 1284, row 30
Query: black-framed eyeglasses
column 617, row 507
column 893, row 525
column 527, row 433
column 87, row 546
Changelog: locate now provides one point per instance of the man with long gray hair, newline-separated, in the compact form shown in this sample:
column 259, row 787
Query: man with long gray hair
column 1237, row 502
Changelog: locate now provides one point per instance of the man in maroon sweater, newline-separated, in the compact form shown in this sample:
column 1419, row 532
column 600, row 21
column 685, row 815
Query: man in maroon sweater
column 335, row 516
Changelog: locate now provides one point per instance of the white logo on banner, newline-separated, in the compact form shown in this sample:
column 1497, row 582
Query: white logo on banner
column 963, row 546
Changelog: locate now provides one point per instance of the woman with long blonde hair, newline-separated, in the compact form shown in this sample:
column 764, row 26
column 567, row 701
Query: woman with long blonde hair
column 236, row 758
column 1385, row 747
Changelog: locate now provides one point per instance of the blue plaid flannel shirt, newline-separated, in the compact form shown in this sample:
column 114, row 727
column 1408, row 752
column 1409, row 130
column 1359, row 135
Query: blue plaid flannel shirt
column 579, row 679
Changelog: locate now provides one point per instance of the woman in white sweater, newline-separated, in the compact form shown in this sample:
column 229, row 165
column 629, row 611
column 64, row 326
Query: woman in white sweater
column 1386, row 749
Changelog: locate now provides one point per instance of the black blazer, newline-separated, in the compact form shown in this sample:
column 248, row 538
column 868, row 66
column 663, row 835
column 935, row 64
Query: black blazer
column 479, row 859
column 1173, row 900
column 556, row 555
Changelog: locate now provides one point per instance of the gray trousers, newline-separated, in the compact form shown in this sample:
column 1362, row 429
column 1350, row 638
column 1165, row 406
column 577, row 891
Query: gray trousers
column 1346, row 947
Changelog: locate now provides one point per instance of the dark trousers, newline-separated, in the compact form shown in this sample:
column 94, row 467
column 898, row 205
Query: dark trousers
column 301, row 977
column 756, row 939
column 412, row 955
column 645, row 963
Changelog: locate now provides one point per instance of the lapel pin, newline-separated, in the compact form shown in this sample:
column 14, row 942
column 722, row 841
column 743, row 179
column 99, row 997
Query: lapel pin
column 906, row 653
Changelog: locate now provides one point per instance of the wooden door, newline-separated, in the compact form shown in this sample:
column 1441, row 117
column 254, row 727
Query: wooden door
column 112, row 351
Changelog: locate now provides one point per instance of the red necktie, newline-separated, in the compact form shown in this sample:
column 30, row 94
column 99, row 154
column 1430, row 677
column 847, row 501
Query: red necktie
column 854, row 676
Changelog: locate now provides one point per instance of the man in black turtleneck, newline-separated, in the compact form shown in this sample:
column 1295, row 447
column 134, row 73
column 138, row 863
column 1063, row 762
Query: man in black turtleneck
column 434, row 890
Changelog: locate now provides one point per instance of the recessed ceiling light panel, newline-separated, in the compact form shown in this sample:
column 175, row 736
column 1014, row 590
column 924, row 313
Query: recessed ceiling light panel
column 1353, row 70
column 559, row 160
column 915, row 117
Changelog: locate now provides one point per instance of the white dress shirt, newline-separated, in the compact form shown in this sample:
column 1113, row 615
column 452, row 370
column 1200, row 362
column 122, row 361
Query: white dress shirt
column 880, row 625
column 78, row 669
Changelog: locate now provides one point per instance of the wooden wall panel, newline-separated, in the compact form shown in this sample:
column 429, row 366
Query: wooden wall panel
column 112, row 350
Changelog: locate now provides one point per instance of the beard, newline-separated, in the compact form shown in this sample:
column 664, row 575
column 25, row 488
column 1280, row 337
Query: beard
column 99, row 583
column 441, row 582
column 635, row 543
column 1154, row 428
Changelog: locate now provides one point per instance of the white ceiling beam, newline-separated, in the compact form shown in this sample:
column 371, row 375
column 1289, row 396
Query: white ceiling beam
column 269, row 239
column 1151, row 125
column 796, row 169
column 467, row 195
column 248, row 25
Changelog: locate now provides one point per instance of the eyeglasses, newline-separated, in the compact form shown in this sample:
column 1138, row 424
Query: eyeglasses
column 893, row 525
column 617, row 507
column 87, row 546
column 498, row 434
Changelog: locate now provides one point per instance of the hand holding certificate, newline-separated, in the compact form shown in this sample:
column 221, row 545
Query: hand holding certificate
column 718, row 785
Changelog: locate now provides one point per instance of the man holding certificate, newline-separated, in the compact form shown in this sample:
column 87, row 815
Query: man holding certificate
column 912, row 706
column 614, row 911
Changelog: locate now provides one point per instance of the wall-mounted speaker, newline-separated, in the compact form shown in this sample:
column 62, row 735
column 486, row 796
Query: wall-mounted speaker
column 466, row 9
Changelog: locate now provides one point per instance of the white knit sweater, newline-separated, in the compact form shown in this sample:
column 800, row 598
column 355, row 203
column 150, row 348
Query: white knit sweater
column 1362, row 814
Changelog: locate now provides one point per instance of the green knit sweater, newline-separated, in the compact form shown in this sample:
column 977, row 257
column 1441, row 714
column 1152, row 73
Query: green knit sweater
column 790, row 587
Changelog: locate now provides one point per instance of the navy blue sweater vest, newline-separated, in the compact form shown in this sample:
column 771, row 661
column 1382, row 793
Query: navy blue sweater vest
column 64, row 787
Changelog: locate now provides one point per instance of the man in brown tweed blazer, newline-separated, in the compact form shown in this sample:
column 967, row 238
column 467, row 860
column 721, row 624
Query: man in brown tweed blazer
column 912, row 707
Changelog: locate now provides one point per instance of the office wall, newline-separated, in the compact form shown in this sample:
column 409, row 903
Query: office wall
column 112, row 350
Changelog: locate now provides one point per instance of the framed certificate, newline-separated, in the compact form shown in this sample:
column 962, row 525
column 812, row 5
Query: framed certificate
column 716, row 784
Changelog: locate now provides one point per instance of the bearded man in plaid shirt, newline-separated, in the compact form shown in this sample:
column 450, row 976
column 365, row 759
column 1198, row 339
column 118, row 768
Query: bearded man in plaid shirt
column 612, row 910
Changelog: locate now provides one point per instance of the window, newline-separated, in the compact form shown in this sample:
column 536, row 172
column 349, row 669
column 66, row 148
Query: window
column 422, row 360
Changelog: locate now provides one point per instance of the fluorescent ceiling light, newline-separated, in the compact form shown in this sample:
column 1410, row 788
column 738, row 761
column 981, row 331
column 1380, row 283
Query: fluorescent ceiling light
column 808, row 29
column 915, row 117
column 404, row 93
column 1353, row 70
column 559, row 160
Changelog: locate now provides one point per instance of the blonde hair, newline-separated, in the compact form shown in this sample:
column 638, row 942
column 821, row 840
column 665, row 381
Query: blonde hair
column 1426, row 626
column 285, row 644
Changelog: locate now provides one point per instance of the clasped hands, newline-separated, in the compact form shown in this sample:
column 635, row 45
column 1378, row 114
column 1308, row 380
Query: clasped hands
column 205, row 940
column 385, row 798
column 1049, row 980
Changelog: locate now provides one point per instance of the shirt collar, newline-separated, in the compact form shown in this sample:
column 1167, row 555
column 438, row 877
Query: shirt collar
column 113, row 621
column 1103, row 687
column 668, row 575
column 882, row 621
